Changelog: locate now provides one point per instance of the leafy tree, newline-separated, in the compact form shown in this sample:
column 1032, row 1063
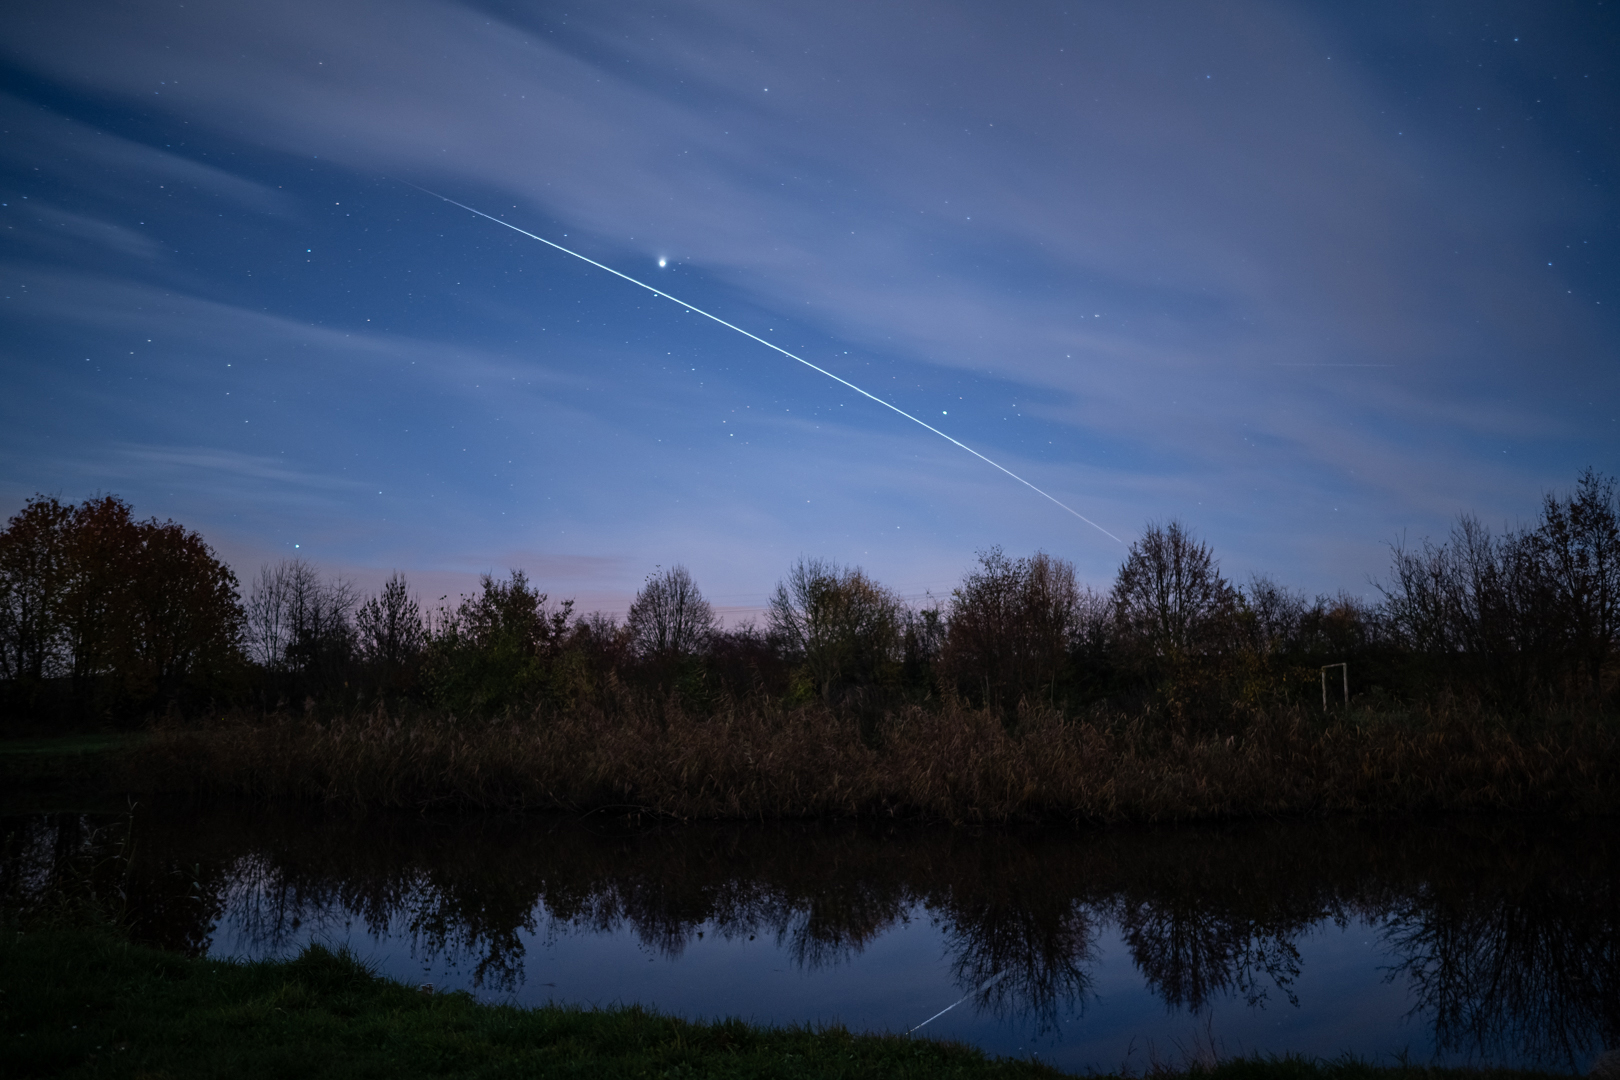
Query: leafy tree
column 498, row 650
column 922, row 642
column 1010, row 627
column 392, row 633
column 747, row 661
column 183, row 619
column 604, row 645
column 100, row 541
column 838, row 624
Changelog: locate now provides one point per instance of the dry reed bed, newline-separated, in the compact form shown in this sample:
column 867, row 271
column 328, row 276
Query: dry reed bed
column 953, row 764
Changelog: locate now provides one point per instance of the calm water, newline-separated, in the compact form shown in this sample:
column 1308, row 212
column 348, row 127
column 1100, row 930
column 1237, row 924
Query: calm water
column 1458, row 941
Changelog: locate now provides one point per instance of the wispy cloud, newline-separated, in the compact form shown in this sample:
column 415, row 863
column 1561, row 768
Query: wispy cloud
column 107, row 164
column 1234, row 272
column 222, row 469
column 38, row 226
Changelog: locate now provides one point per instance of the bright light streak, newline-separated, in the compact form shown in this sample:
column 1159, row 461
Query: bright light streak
column 982, row 987
column 778, row 348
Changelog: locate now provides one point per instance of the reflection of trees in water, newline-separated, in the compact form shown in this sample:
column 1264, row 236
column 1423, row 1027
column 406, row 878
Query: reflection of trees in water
column 1513, row 959
column 1220, row 912
column 1040, row 951
column 835, row 924
column 106, row 866
column 1020, row 918
column 1190, row 954
column 1507, row 935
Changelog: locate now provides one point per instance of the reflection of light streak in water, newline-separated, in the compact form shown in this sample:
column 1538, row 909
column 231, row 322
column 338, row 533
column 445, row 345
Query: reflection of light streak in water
column 982, row 987
column 778, row 348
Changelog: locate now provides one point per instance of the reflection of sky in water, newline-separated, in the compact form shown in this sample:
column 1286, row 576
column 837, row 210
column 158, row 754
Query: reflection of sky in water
column 1489, row 942
column 1347, row 1002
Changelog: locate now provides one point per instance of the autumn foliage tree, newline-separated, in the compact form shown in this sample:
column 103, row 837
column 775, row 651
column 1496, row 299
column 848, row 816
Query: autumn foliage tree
column 105, row 615
column 34, row 573
column 129, row 614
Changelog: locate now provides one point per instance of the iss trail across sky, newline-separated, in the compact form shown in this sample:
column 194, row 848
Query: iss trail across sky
column 776, row 348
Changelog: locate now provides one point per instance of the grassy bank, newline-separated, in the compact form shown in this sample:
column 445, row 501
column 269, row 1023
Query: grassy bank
column 86, row 1003
column 80, row 1003
column 80, row 771
column 952, row 764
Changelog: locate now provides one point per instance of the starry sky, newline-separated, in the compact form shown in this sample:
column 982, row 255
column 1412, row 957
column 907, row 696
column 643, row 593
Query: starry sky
column 1310, row 277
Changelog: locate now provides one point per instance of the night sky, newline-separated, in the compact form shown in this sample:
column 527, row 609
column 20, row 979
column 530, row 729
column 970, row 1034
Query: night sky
column 1309, row 277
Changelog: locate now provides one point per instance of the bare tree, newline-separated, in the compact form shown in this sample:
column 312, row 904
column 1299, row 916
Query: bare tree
column 269, row 612
column 1480, row 604
column 1094, row 626
column 1169, row 596
column 1579, row 541
column 296, row 621
column 669, row 616
column 1418, row 600
column 1274, row 615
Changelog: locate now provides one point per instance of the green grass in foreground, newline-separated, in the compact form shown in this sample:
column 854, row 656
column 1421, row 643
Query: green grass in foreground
column 87, row 742
column 82, row 1003
column 85, row 1003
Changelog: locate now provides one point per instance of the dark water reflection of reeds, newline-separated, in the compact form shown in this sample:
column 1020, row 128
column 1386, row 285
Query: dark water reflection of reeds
column 1507, row 933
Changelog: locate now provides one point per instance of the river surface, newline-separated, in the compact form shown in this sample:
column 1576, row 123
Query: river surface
column 1457, row 941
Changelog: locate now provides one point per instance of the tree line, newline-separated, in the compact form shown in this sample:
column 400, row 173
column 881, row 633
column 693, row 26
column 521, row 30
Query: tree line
column 102, row 615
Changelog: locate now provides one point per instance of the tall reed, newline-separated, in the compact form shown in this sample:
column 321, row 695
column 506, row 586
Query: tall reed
column 760, row 760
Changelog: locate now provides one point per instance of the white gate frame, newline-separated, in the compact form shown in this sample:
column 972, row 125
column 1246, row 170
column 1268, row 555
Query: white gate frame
column 1346, row 668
